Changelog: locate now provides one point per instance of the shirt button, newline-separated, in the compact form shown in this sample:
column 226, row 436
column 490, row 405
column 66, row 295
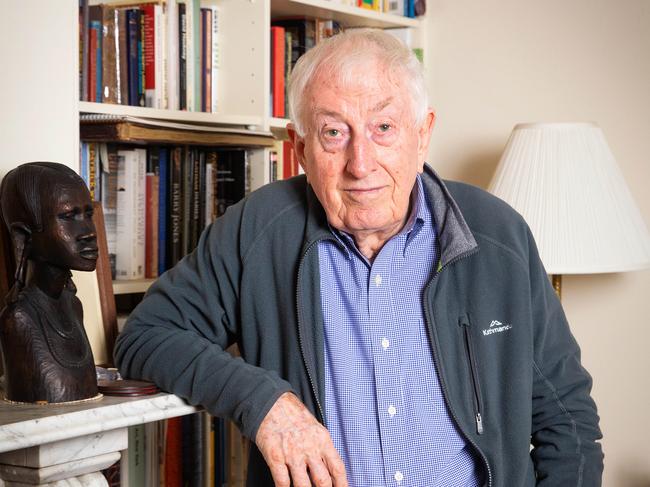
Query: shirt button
column 385, row 343
column 378, row 280
column 398, row 476
column 391, row 410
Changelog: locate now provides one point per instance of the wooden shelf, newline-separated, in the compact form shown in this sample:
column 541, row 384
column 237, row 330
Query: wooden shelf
column 346, row 15
column 131, row 286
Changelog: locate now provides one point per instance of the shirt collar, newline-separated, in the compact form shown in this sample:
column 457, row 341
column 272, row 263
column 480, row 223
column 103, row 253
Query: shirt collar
column 419, row 215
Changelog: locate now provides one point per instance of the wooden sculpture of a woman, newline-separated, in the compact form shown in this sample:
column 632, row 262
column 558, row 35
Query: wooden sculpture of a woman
column 46, row 354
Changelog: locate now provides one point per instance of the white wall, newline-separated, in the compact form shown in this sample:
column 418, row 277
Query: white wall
column 39, row 83
column 499, row 62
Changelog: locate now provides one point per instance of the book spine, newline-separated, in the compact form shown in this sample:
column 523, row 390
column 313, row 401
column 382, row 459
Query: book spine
column 139, row 177
column 141, row 51
column 136, row 455
column 182, row 56
column 215, row 59
column 277, row 73
column 125, row 214
column 172, row 49
column 163, row 198
column 210, row 178
column 149, row 33
column 151, row 220
column 189, row 58
column 196, row 27
column 92, row 64
column 175, row 207
column 206, row 57
column 186, row 192
column 159, row 49
column 132, row 48
column 92, row 169
column 109, row 56
column 173, row 453
column 122, row 55
column 84, row 20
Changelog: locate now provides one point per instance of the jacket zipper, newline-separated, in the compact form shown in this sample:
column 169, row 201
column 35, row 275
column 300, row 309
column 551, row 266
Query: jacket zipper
column 473, row 369
column 436, row 360
column 300, row 341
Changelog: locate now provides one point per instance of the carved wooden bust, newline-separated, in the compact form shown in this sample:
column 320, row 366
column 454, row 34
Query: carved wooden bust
column 46, row 354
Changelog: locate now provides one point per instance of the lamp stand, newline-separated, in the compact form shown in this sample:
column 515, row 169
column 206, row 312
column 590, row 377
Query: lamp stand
column 556, row 279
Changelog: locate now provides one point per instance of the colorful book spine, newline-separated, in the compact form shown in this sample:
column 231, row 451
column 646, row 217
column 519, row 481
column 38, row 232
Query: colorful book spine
column 163, row 198
column 149, row 52
column 277, row 70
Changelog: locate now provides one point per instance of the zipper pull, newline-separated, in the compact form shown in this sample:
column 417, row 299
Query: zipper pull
column 479, row 424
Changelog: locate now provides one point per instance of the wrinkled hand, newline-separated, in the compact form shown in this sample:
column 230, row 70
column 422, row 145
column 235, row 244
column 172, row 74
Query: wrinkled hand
column 293, row 442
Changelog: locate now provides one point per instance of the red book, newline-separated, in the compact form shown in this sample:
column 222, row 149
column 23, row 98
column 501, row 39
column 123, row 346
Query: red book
column 149, row 53
column 173, row 453
column 92, row 66
column 289, row 160
column 277, row 70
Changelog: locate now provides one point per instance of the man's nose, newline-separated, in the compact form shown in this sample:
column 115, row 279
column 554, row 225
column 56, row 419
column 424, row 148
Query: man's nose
column 360, row 156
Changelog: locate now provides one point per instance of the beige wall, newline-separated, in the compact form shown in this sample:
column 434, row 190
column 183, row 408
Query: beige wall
column 499, row 62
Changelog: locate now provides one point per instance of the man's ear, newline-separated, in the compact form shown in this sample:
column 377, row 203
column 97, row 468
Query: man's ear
column 298, row 144
column 424, row 137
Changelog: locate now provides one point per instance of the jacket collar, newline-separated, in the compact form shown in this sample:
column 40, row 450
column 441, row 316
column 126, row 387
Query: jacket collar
column 454, row 234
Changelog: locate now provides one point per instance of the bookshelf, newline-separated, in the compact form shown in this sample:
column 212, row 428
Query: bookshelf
column 41, row 113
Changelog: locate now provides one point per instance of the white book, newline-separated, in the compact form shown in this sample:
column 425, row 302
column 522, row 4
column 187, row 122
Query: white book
column 171, row 58
column 159, row 55
column 210, row 174
column 130, row 218
column 215, row 59
column 189, row 59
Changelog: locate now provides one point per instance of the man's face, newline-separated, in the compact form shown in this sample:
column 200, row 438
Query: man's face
column 68, row 239
column 361, row 151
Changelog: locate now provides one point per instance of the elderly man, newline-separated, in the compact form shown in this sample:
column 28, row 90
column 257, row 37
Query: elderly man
column 395, row 330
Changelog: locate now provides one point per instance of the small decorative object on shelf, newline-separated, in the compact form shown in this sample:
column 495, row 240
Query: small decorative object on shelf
column 46, row 354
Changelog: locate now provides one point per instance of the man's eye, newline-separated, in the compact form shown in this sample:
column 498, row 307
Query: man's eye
column 333, row 133
column 384, row 127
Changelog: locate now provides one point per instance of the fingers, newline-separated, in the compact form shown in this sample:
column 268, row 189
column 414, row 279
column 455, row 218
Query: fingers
column 297, row 448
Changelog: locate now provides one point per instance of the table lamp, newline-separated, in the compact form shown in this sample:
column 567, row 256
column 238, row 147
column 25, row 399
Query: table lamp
column 564, row 180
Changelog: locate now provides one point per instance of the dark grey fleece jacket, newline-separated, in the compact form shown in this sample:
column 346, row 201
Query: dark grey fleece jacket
column 509, row 366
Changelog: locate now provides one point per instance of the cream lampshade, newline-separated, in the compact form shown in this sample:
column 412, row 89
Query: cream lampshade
column 564, row 180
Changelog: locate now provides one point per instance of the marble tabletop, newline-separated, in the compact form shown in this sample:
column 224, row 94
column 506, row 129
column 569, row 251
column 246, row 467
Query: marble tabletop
column 26, row 425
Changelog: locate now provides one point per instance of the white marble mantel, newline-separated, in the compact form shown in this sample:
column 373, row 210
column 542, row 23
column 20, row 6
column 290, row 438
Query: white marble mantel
column 25, row 425
column 45, row 445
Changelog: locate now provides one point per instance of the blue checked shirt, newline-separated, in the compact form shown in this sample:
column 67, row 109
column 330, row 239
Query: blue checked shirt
column 383, row 404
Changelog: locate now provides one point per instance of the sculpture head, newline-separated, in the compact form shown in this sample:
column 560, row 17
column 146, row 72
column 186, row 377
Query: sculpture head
column 48, row 210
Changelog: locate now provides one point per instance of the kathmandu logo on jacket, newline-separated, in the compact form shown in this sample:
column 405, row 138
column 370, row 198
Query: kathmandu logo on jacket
column 496, row 327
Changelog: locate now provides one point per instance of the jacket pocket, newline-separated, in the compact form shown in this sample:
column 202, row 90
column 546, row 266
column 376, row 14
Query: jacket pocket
column 473, row 370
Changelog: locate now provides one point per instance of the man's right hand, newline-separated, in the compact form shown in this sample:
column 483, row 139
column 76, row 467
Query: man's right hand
column 298, row 448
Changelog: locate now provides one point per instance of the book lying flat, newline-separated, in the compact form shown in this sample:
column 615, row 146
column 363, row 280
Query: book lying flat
column 112, row 128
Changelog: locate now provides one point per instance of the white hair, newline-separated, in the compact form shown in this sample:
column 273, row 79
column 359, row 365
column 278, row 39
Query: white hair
column 342, row 53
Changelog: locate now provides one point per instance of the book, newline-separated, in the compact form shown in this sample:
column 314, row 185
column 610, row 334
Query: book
column 95, row 64
column 210, row 201
column 109, row 203
column 133, row 34
column 182, row 56
column 132, row 129
column 84, row 34
column 149, row 53
column 163, row 198
column 172, row 55
column 122, row 56
column 193, row 450
column 277, row 70
column 151, row 221
column 136, row 455
column 130, row 225
column 231, row 178
column 206, row 60
column 173, row 453
column 110, row 58
column 214, row 106
column 175, row 207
